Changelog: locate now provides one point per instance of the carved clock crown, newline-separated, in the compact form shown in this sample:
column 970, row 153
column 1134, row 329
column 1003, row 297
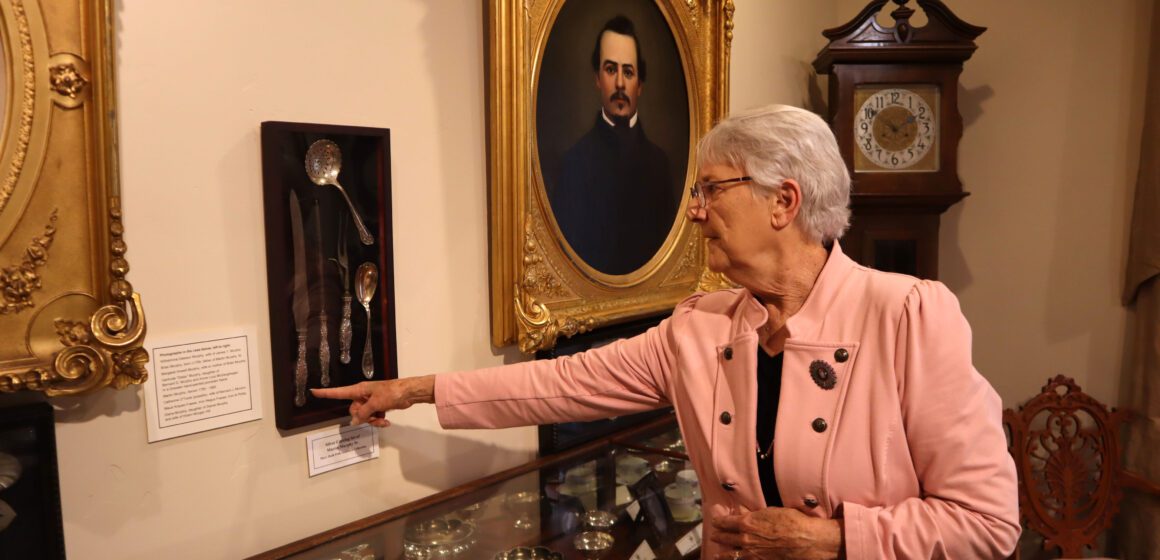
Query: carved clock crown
column 945, row 37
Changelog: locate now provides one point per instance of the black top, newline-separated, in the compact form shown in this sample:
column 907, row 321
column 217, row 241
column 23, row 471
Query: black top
column 768, row 394
column 615, row 197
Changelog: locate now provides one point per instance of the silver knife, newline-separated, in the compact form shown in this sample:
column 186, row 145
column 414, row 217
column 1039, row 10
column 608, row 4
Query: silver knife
column 300, row 305
column 323, row 333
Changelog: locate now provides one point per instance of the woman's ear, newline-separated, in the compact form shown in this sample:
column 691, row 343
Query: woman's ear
column 785, row 203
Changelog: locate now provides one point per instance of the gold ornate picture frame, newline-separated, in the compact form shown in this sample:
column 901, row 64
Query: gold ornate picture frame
column 71, row 322
column 567, row 257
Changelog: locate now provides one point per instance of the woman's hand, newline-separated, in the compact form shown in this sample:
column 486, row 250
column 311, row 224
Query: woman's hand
column 370, row 400
column 777, row 533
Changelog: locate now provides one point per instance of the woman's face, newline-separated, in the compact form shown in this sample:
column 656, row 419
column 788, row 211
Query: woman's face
column 736, row 223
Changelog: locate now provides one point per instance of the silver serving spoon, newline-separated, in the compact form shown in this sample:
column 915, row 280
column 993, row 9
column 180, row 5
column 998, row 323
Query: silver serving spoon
column 323, row 162
column 366, row 279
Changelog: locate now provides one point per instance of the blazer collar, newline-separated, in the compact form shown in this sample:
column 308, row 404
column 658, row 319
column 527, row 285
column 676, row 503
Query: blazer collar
column 808, row 320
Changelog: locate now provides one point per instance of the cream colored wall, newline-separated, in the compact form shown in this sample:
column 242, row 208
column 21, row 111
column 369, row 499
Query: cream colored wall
column 1052, row 104
column 1034, row 252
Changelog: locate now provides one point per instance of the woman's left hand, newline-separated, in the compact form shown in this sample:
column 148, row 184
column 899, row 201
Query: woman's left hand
column 777, row 533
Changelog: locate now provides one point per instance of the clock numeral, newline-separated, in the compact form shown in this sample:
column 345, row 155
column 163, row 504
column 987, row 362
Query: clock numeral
column 894, row 97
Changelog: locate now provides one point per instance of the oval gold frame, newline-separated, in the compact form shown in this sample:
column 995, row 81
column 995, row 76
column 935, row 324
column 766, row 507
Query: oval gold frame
column 71, row 321
column 539, row 290
column 680, row 225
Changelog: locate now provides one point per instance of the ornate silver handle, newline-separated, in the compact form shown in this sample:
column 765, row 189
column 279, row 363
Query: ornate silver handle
column 368, row 357
column 364, row 234
column 324, row 348
column 300, row 373
column 344, row 331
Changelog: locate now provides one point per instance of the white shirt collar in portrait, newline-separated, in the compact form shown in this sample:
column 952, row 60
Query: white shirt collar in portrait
column 631, row 122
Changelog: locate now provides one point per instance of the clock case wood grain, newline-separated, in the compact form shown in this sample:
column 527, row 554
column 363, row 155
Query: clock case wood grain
column 899, row 207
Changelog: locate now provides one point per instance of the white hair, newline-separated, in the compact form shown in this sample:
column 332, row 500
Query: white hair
column 779, row 142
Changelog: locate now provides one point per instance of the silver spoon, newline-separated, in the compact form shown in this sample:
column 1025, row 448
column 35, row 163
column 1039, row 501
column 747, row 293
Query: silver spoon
column 366, row 279
column 323, row 162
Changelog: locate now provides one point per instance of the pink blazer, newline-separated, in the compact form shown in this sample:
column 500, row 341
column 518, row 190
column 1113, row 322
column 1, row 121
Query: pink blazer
column 907, row 445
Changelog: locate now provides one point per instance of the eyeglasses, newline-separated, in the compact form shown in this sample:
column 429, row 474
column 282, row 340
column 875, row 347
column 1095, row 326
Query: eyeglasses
column 705, row 191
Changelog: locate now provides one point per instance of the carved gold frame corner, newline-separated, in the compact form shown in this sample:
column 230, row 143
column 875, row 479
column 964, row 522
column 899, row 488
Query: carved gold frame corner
column 70, row 320
column 538, row 292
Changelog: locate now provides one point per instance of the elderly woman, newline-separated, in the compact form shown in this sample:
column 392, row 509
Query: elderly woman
column 828, row 409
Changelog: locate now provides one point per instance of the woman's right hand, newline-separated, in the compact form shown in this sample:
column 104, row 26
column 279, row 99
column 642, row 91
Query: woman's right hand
column 370, row 400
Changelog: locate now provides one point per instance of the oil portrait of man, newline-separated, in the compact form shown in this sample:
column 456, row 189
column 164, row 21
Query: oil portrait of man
column 614, row 192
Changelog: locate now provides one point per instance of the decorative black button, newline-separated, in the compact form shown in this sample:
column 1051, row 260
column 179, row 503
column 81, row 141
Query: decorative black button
column 726, row 418
column 810, row 502
column 728, row 486
column 841, row 355
column 728, row 352
column 823, row 374
column 819, row 425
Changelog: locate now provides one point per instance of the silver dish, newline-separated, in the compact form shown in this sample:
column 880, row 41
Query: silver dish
column 529, row 553
column 594, row 544
column 598, row 520
column 9, row 470
column 357, row 552
column 522, row 504
column 443, row 537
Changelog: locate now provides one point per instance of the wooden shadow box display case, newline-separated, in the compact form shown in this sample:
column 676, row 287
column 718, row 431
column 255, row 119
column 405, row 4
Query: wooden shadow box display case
column 329, row 263
column 632, row 486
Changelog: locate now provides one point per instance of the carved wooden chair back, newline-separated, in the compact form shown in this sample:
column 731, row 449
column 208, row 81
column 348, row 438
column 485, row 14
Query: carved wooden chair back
column 1067, row 452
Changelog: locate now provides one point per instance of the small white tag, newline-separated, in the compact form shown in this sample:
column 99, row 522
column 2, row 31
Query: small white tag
column 691, row 541
column 341, row 446
column 633, row 510
column 643, row 552
column 622, row 495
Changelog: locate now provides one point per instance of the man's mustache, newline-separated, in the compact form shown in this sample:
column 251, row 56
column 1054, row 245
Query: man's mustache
column 619, row 96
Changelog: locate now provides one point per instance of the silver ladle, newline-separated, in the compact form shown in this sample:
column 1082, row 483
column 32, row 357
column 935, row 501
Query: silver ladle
column 366, row 279
column 323, row 162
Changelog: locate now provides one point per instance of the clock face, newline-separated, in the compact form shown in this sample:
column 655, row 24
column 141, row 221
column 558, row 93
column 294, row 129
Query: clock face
column 896, row 129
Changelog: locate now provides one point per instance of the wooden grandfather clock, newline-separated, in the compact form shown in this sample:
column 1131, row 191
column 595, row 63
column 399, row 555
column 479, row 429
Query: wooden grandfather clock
column 893, row 106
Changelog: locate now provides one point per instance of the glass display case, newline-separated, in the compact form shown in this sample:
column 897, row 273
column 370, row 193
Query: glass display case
column 600, row 500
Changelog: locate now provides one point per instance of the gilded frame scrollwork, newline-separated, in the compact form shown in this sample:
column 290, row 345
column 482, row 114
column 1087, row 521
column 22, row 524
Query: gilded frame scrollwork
column 540, row 290
column 70, row 320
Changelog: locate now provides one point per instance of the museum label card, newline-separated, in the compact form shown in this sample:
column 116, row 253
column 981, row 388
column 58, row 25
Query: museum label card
column 341, row 446
column 633, row 510
column 643, row 552
column 623, row 496
column 691, row 541
column 203, row 382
